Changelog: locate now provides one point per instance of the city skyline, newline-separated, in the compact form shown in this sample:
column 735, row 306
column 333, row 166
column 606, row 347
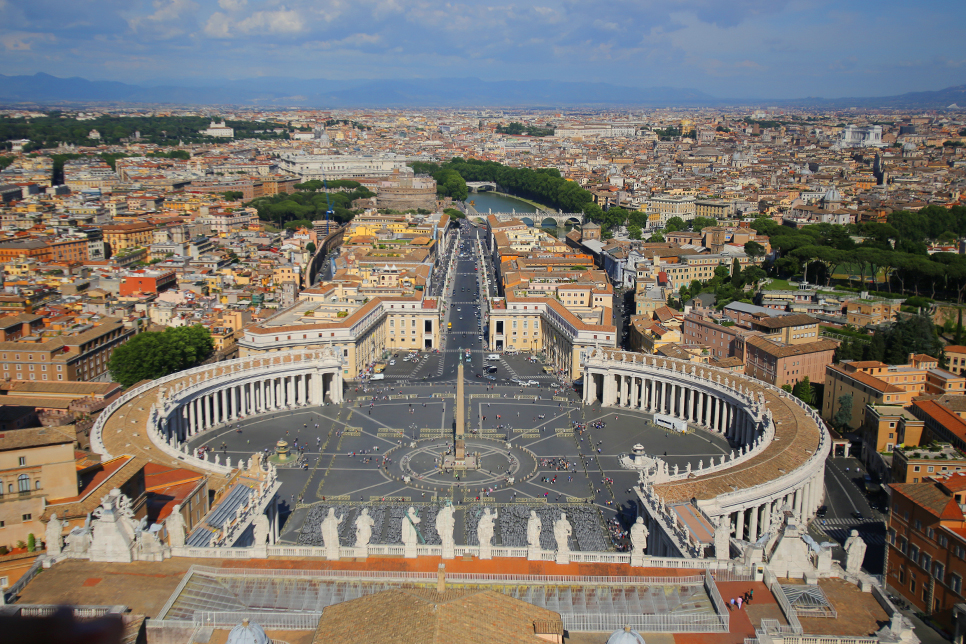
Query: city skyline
column 748, row 49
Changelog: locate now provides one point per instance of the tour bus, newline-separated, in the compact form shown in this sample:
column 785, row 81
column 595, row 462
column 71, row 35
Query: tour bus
column 667, row 422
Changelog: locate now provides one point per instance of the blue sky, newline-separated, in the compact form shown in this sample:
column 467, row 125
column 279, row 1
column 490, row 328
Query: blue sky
column 727, row 48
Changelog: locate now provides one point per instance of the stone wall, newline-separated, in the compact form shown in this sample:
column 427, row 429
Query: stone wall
column 407, row 198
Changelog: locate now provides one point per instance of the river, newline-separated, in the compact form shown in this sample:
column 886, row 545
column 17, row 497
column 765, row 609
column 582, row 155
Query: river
column 486, row 202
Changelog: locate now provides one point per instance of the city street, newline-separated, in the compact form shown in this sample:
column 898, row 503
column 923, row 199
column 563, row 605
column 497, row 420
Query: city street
column 845, row 501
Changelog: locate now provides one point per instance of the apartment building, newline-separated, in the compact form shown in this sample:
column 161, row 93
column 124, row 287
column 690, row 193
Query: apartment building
column 546, row 325
column 24, row 248
column 80, row 352
column 787, row 329
column 915, row 463
column 886, row 426
column 335, row 315
column 701, row 329
column 120, row 237
column 778, row 363
column 926, row 545
column 689, row 268
column 876, row 383
column 147, row 281
column 667, row 206
column 69, row 249
column 35, row 464
column 861, row 313
column 955, row 358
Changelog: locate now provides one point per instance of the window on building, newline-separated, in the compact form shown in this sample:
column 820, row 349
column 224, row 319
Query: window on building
column 956, row 583
column 22, row 460
column 23, row 483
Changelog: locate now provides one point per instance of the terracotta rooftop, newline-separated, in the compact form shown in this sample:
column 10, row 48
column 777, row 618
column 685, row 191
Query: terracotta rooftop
column 425, row 616
column 869, row 381
column 784, row 321
column 943, row 416
column 789, row 350
column 928, row 496
column 36, row 437
column 796, row 439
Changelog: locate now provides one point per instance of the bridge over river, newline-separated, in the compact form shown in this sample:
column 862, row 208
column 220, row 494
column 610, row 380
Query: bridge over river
column 541, row 218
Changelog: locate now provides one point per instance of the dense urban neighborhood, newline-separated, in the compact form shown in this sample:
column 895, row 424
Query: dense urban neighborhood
column 735, row 336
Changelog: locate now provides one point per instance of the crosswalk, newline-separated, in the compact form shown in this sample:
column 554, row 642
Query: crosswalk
column 848, row 521
column 841, row 534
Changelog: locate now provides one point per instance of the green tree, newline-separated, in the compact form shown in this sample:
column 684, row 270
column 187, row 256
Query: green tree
column 787, row 388
column 151, row 355
column 233, row 195
column 700, row 223
column 958, row 338
column 753, row 275
column 310, row 247
column 31, row 542
column 674, row 224
column 754, row 249
column 634, row 232
column 656, row 237
column 803, row 391
column 843, row 416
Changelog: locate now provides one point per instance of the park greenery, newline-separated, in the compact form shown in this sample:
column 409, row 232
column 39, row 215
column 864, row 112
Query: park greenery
column 636, row 222
column 892, row 344
column 152, row 355
column 55, row 128
column 544, row 185
column 517, row 129
column 729, row 284
column 891, row 255
column 300, row 208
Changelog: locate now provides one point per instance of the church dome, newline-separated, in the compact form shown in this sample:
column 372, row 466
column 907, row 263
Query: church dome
column 625, row 636
column 832, row 195
column 250, row 633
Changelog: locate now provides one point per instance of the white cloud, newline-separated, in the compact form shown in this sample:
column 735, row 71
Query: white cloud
column 23, row 41
column 280, row 21
column 232, row 5
column 167, row 21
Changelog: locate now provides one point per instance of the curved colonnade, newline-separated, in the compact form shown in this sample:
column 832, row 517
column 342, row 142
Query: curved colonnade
column 780, row 445
column 197, row 400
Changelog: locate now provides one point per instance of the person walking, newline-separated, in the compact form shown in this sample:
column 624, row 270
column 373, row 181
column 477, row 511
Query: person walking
column 731, row 606
column 739, row 603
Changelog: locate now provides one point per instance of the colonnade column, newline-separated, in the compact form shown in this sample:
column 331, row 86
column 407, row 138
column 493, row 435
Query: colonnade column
column 694, row 398
column 753, row 524
column 740, row 524
column 717, row 418
column 681, row 413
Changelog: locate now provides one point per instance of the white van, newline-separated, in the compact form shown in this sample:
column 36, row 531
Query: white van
column 493, row 356
column 378, row 376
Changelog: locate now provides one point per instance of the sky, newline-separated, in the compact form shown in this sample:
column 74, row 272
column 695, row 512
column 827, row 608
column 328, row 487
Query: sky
column 726, row 48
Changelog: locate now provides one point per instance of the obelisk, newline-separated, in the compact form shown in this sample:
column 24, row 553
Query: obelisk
column 460, row 417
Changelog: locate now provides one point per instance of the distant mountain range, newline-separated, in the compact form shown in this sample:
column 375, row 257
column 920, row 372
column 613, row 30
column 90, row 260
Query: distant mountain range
column 44, row 89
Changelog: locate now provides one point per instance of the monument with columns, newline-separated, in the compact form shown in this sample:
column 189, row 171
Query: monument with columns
column 778, row 458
